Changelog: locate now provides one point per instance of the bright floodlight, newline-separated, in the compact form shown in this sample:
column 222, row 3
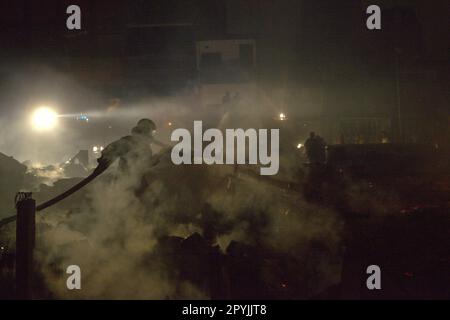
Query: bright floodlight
column 44, row 119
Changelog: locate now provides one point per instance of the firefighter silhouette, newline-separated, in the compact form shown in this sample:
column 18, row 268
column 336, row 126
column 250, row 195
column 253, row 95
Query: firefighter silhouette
column 133, row 151
column 315, row 149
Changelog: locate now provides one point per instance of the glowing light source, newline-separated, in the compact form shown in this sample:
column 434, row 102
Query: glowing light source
column 299, row 146
column 83, row 117
column 97, row 149
column 44, row 119
column 282, row 116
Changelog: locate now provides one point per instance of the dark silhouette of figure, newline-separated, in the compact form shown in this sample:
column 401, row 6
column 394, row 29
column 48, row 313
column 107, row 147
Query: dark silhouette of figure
column 321, row 152
column 315, row 149
column 135, row 156
column 133, row 151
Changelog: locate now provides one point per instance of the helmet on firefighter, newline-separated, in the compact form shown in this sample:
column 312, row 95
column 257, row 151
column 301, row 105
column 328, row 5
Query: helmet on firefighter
column 136, row 131
column 145, row 126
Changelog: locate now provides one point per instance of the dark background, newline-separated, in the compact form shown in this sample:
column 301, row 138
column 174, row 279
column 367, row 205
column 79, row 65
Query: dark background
column 324, row 42
column 134, row 49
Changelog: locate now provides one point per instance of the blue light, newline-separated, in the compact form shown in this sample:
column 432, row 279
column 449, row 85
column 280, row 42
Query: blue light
column 83, row 117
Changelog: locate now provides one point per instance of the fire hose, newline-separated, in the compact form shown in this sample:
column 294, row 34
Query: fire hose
column 99, row 170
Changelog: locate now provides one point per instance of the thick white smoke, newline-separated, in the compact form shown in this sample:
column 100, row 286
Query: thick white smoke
column 110, row 228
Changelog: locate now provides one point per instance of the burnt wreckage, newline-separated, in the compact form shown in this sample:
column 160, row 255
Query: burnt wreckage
column 256, row 268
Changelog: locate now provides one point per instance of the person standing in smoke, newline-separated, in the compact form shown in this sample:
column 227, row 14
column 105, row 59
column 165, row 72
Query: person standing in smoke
column 322, row 146
column 315, row 149
column 134, row 151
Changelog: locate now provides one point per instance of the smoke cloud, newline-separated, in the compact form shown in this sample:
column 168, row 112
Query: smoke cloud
column 113, row 227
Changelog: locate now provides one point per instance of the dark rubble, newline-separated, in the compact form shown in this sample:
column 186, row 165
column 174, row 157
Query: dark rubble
column 411, row 243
